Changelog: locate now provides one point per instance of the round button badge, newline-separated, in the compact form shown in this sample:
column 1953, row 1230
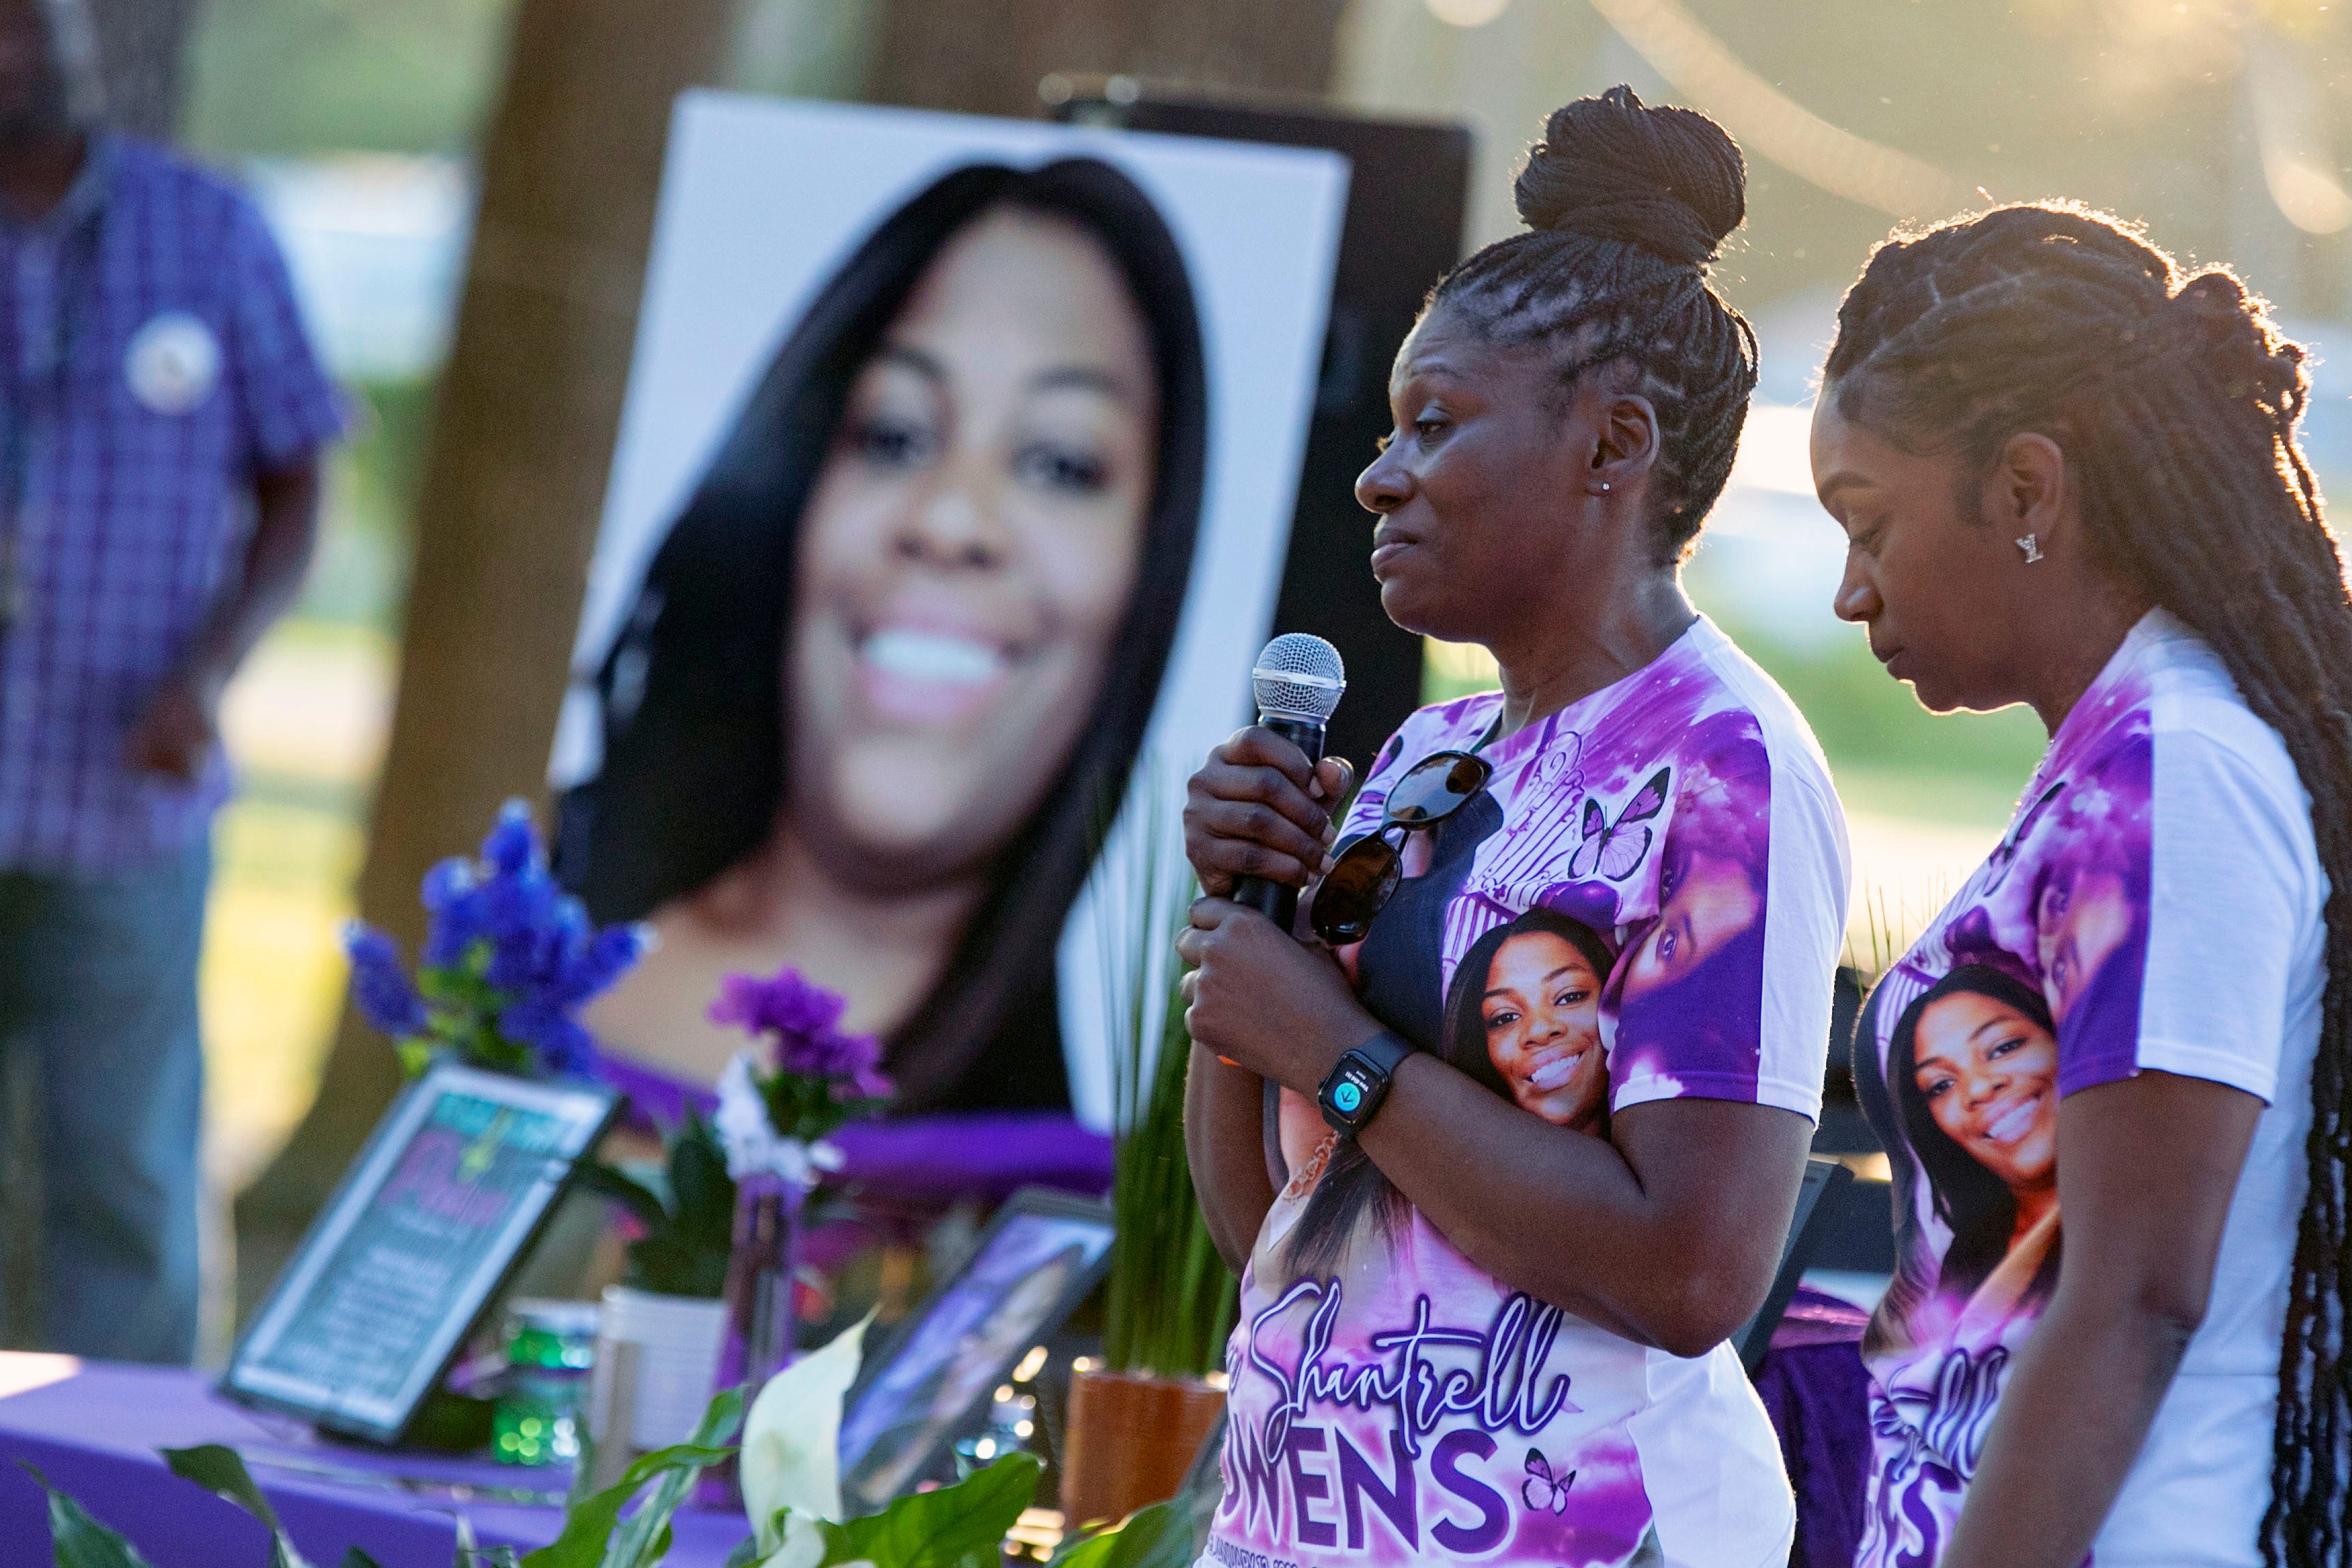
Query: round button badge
column 1346, row 1096
column 173, row 363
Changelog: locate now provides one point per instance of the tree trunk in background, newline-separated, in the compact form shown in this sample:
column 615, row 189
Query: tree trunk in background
column 988, row 59
column 522, row 438
column 141, row 45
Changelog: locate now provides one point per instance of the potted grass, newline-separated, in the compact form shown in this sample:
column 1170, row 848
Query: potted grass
column 664, row 1324
column 1139, row 1413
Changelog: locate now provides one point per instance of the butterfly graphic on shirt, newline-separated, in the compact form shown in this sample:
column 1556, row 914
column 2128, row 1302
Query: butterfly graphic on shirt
column 1542, row 1490
column 1615, row 850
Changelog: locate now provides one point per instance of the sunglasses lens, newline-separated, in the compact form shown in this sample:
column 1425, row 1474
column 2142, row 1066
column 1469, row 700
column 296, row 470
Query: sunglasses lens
column 1436, row 785
column 1357, row 890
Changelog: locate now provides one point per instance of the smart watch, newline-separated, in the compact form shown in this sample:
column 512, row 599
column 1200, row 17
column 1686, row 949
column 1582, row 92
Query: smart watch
column 1353, row 1092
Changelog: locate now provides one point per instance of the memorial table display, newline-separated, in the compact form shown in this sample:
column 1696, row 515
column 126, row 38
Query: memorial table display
column 430, row 1221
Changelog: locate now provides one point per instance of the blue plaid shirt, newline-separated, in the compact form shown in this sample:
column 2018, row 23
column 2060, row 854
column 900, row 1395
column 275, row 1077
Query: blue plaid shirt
column 152, row 360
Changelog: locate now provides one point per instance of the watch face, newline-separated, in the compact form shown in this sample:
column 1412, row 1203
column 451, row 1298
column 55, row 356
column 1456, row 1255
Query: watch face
column 1346, row 1097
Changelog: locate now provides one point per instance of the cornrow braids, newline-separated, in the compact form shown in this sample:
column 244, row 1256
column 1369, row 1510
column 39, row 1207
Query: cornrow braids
column 2175, row 399
column 1627, row 205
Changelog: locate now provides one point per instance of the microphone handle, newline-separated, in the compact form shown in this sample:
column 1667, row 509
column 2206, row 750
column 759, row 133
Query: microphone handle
column 1278, row 902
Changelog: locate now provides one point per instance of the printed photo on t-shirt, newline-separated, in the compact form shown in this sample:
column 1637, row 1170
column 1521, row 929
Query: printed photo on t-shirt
column 1971, row 1079
column 1524, row 1017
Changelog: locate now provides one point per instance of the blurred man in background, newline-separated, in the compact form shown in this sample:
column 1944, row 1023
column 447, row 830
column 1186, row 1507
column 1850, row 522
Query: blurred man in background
column 161, row 420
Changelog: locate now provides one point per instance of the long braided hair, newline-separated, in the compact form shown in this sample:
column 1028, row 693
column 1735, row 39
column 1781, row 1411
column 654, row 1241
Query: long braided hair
column 1625, row 205
column 2175, row 399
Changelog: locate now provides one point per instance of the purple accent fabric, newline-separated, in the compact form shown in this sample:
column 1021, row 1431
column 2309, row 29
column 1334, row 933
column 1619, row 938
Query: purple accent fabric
column 923, row 1161
column 1817, row 1391
column 130, row 479
column 95, row 1435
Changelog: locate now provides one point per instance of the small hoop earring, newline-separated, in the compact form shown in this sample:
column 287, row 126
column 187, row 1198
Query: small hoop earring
column 2030, row 548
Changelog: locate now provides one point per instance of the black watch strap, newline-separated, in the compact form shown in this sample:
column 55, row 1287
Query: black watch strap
column 1353, row 1092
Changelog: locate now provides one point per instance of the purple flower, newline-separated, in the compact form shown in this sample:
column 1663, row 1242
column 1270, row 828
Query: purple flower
column 547, row 1027
column 602, row 960
column 513, row 847
column 380, row 986
column 451, row 900
column 787, row 1006
column 801, row 1022
column 509, row 959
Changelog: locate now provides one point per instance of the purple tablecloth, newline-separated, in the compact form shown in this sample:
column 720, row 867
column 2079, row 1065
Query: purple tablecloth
column 1817, row 1392
column 93, row 1429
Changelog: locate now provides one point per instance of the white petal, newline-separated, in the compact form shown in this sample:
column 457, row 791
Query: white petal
column 791, row 1440
column 802, row 1545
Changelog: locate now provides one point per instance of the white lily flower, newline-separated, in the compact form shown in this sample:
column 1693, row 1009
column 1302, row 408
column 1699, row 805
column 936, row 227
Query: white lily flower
column 801, row 1545
column 792, row 1448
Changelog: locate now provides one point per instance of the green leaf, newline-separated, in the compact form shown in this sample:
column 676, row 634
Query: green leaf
column 605, row 1182
column 644, row 1540
column 699, row 1184
column 1124, row 1546
column 220, row 1471
column 961, row 1526
column 78, row 1540
column 588, row 1526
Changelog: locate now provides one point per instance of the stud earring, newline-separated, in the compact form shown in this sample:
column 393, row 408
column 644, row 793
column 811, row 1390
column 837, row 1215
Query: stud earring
column 1604, row 487
column 2030, row 546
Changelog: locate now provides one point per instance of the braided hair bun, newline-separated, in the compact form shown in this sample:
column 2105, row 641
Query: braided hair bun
column 1610, row 168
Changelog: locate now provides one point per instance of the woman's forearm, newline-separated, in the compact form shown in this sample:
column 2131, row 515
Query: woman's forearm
column 2073, row 1413
column 1667, row 1233
column 1225, row 1138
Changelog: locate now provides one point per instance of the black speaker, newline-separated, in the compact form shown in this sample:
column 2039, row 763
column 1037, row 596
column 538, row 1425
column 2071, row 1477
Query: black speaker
column 1407, row 191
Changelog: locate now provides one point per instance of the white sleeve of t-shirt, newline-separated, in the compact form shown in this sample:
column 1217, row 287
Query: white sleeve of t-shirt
column 2235, row 898
column 1804, row 933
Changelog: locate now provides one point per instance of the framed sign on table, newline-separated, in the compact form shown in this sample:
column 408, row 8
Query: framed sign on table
column 429, row 1223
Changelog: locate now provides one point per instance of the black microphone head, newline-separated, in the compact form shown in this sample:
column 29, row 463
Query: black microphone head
column 1298, row 676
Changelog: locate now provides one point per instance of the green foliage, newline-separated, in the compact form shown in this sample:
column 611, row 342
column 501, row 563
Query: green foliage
column 1169, row 1299
column 690, row 1227
column 219, row 1470
column 360, row 574
column 593, row 1533
column 79, row 1541
column 295, row 76
column 801, row 1105
column 1130, row 1544
column 1867, row 722
column 961, row 1526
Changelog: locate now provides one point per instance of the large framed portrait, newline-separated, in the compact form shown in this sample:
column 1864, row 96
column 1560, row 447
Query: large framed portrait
column 953, row 484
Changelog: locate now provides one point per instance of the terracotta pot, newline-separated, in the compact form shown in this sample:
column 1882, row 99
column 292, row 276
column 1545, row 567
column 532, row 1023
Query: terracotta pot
column 1130, row 1439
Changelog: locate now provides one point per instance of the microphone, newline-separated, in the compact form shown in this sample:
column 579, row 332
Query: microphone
column 1297, row 681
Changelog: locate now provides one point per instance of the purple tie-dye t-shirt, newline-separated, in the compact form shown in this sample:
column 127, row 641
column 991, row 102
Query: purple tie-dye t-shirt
column 1647, row 904
column 2155, row 902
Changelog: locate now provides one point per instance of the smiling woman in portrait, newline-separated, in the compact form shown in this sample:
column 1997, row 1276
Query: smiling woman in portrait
column 1980, row 1104
column 886, row 674
column 1525, row 1018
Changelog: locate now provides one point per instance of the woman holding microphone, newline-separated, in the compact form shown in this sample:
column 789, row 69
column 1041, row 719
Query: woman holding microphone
column 2069, row 476
column 1469, row 1332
